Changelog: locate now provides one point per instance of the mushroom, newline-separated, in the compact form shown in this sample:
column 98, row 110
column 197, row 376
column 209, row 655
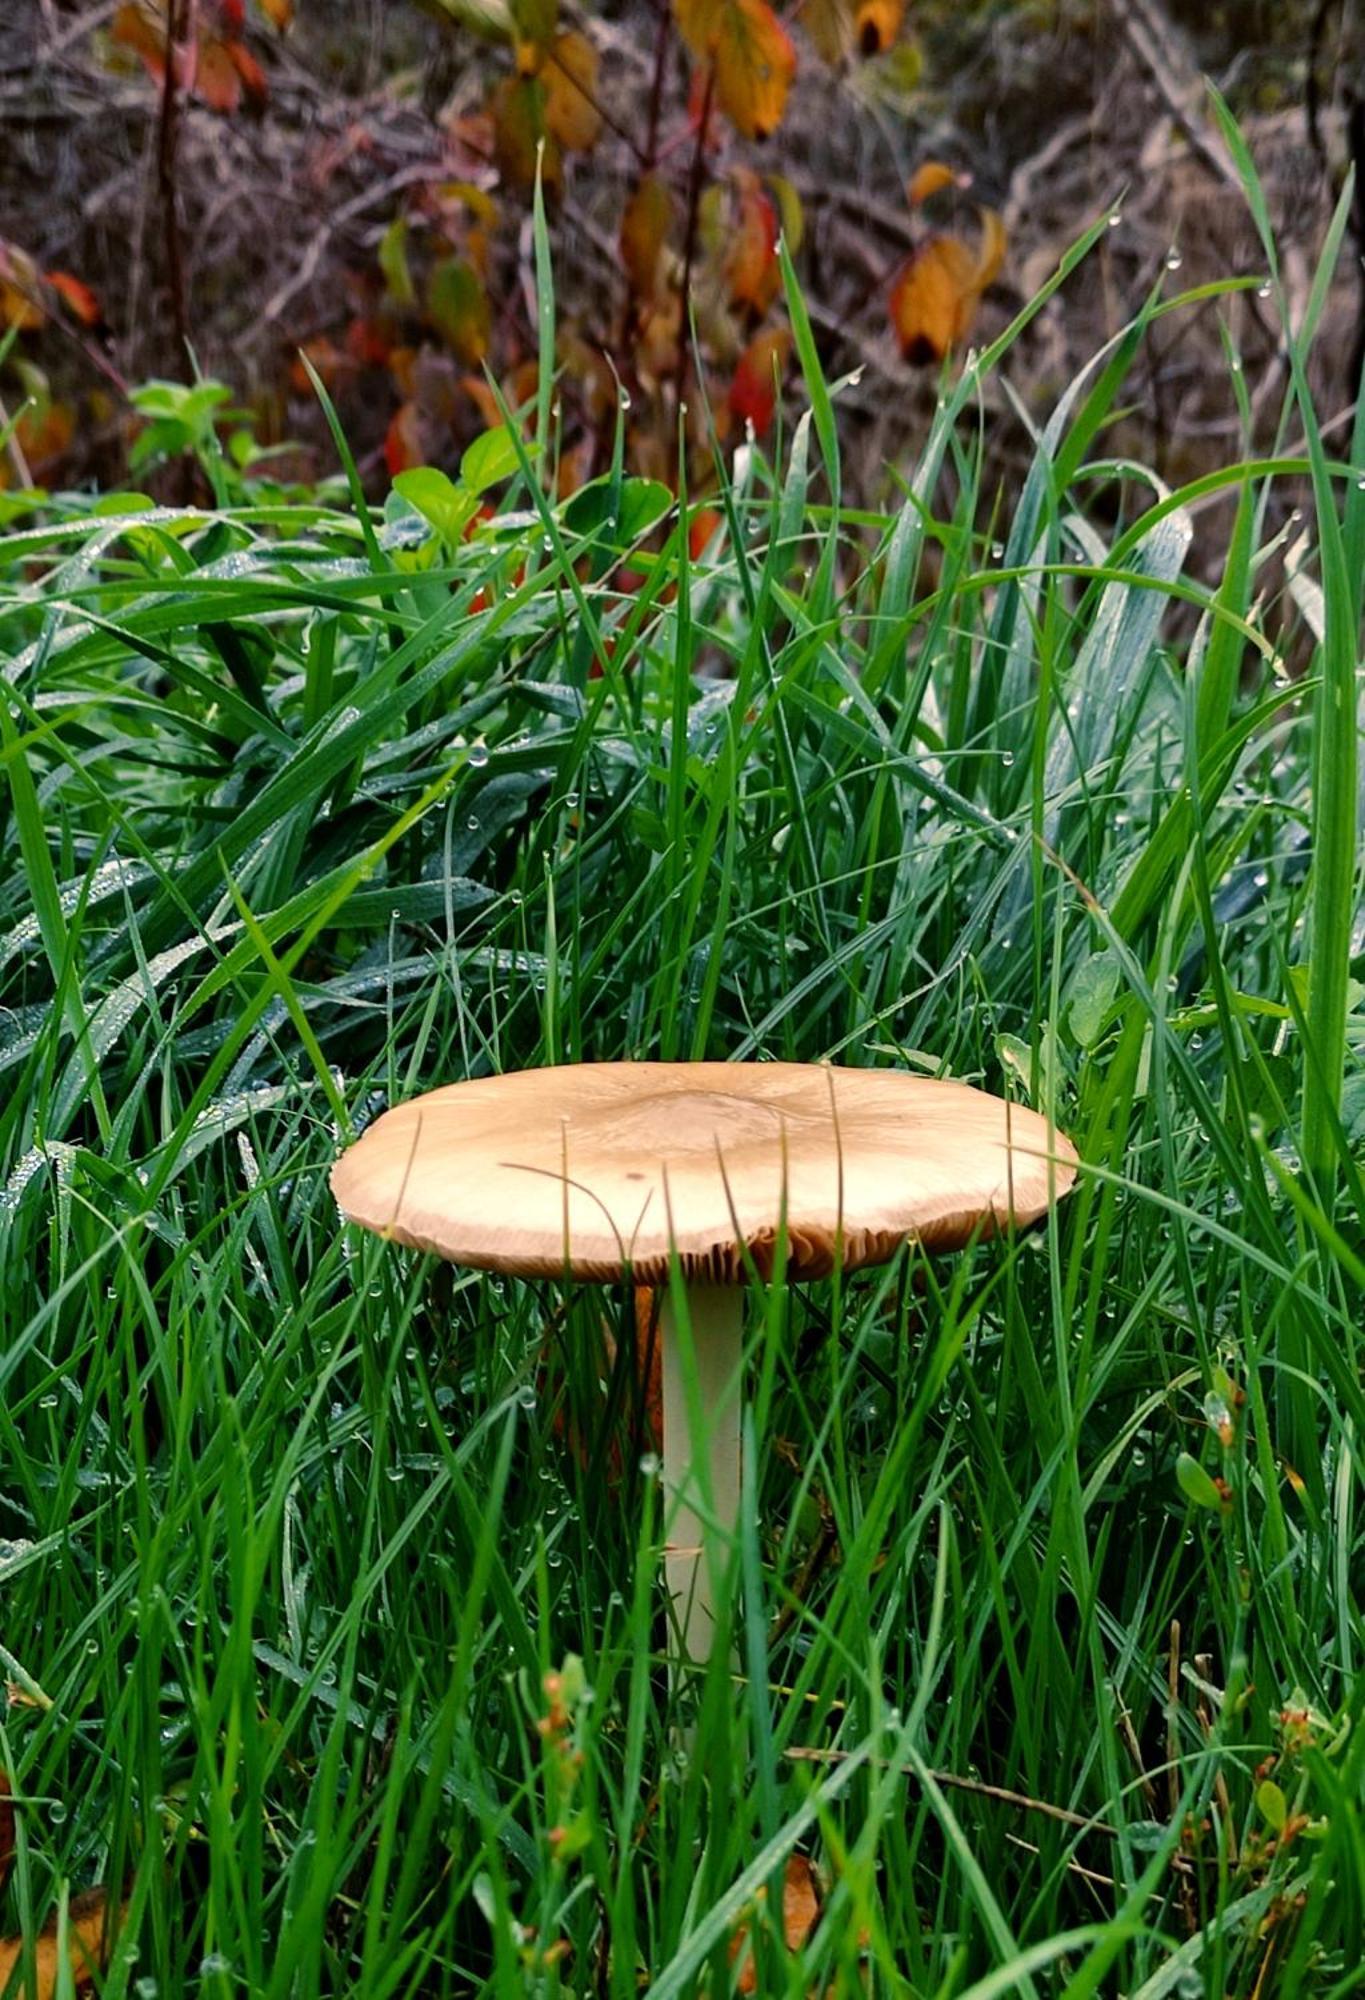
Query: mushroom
column 599, row 1170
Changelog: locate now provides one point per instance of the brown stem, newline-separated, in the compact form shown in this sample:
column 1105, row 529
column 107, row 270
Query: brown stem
column 662, row 43
column 167, row 139
column 695, row 179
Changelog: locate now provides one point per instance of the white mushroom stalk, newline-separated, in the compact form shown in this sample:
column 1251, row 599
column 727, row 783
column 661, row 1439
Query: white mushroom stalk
column 701, row 1460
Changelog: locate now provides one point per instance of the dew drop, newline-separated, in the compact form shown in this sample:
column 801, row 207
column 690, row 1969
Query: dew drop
column 478, row 755
column 1173, row 259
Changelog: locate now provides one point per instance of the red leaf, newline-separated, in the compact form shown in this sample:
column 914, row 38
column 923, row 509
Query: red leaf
column 216, row 79
column 78, row 296
column 403, row 441
column 249, row 70
column 753, row 392
column 751, row 260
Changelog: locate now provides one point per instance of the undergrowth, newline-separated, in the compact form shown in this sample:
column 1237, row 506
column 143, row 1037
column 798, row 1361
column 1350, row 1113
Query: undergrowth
column 1049, row 1654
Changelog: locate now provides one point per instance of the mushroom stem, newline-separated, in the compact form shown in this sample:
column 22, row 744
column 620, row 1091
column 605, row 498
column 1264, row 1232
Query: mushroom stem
column 702, row 1435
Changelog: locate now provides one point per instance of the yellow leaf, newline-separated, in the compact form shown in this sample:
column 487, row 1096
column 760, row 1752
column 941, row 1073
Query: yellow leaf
column 570, row 79
column 878, row 22
column 934, row 300
column 991, row 255
column 85, row 1942
column 929, row 178
column 644, row 233
column 518, row 130
column 457, row 305
column 752, row 55
column 829, row 24
column 800, row 1914
column 279, row 13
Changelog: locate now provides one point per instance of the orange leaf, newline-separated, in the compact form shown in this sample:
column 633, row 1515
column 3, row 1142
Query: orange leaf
column 43, row 433
column 403, row 441
column 934, row 300
column 929, row 178
column 702, row 524
column 751, row 261
column 19, row 286
column 85, row 1948
column 800, row 1914
column 216, row 79
column 753, row 391
column 570, row 79
column 752, row 54
column 877, row 24
column 77, row 295
column 279, row 13
column 249, row 70
column 132, row 29
column 518, row 128
column 644, row 233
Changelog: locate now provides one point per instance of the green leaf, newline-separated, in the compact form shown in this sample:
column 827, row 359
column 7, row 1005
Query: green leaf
column 448, row 507
column 393, row 262
column 1093, row 991
column 617, row 517
column 489, row 460
column 1196, row 1484
column 459, row 310
column 1273, row 1804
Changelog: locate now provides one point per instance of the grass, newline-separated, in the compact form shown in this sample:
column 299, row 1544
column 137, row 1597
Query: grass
column 1050, row 1634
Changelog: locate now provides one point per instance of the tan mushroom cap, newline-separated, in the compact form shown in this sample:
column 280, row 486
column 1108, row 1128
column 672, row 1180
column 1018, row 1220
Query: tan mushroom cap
column 598, row 1168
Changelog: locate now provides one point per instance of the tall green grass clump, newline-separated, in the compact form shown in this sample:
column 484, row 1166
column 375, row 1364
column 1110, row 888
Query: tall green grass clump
column 328, row 1581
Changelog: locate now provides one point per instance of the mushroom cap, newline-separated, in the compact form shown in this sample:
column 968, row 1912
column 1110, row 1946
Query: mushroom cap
column 595, row 1169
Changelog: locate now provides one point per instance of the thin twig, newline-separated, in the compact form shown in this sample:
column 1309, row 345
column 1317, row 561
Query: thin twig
column 167, row 141
column 695, row 179
column 951, row 1780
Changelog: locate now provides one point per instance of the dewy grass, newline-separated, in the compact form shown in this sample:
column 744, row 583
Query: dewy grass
column 1050, row 1638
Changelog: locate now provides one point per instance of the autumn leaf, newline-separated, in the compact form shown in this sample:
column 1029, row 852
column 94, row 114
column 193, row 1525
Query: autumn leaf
column 753, row 390
column 800, row 1914
column 85, row 1949
column 217, row 82
column 279, row 13
column 829, row 24
column 702, row 524
column 751, row 272
column 403, row 440
column 644, row 233
column 77, row 295
column 877, row 24
column 249, row 70
column 570, row 79
column 458, row 307
column 931, row 177
column 934, row 300
column 519, row 126
column 134, row 28
column 19, row 286
column 535, row 21
column 751, row 54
